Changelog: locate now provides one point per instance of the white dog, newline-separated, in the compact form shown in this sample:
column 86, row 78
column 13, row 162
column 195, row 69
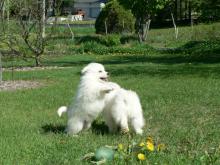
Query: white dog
column 122, row 107
column 89, row 101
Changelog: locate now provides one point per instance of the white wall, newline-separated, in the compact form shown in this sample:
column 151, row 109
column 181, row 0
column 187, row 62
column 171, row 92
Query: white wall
column 92, row 9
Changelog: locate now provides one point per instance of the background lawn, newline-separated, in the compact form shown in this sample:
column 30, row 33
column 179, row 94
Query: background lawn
column 178, row 85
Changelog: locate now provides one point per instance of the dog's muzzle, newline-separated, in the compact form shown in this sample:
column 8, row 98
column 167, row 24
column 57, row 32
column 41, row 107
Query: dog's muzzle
column 104, row 78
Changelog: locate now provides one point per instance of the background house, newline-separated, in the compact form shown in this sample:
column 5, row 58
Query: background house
column 90, row 7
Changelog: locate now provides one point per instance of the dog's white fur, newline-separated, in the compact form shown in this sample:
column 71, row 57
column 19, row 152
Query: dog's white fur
column 89, row 100
column 123, row 107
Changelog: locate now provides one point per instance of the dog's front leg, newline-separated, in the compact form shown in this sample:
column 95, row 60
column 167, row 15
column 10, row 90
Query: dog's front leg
column 107, row 88
column 74, row 125
column 86, row 125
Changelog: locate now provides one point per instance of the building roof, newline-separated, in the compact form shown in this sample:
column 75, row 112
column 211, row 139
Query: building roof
column 91, row 1
column 102, row 1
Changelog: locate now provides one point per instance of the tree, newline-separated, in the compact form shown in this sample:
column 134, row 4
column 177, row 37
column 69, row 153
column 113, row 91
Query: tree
column 209, row 9
column 60, row 5
column 30, row 25
column 114, row 19
column 143, row 11
column 2, row 3
column 26, row 36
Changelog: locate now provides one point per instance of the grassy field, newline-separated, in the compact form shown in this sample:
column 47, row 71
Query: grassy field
column 177, row 81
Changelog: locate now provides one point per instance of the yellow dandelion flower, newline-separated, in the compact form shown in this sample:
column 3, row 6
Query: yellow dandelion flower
column 150, row 146
column 161, row 147
column 120, row 146
column 150, row 139
column 141, row 144
column 141, row 156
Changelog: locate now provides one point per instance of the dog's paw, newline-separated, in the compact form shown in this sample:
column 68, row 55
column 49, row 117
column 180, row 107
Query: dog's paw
column 72, row 134
column 139, row 131
column 124, row 130
column 109, row 90
column 114, row 86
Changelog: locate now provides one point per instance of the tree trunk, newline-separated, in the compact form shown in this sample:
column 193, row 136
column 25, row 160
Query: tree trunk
column 43, row 19
column 141, row 32
column 70, row 30
column 37, row 60
column 185, row 10
column 106, row 28
column 142, row 28
column 174, row 24
column 3, row 10
column 176, row 10
column 0, row 68
column 180, row 11
column 146, row 28
column 190, row 10
column 8, row 10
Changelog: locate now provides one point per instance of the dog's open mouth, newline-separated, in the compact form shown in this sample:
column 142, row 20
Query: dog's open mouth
column 104, row 78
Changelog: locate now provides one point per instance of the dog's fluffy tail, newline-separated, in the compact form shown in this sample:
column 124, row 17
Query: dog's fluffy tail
column 61, row 110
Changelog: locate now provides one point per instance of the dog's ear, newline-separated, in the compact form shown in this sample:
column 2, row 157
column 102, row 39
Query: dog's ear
column 88, row 67
column 84, row 70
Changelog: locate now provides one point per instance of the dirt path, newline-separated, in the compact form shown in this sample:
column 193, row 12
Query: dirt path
column 14, row 85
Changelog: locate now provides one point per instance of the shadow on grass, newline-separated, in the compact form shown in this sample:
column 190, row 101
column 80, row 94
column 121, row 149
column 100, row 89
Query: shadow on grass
column 167, row 71
column 99, row 128
column 164, row 70
column 51, row 128
column 65, row 63
column 204, row 52
column 183, row 60
column 166, row 59
column 206, row 58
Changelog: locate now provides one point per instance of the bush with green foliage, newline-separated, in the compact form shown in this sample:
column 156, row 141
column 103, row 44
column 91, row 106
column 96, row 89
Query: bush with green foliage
column 208, row 10
column 117, row 19
column 92, row 47
column 106, row 40
column 111, row 40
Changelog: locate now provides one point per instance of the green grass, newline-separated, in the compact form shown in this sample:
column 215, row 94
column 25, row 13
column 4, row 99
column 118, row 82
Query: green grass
column 166, row 37
column 180, row 102
column 178, row 86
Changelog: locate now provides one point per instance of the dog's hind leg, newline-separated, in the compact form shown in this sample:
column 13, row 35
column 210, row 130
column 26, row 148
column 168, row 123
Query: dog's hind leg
column 137, row 125
column 111, row 125
column 124, row 125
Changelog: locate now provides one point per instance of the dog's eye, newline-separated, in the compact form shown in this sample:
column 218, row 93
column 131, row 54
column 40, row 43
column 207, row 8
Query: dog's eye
column 100, row 71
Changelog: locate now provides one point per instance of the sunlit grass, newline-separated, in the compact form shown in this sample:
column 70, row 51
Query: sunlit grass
column 178, row 88
column 180, row 102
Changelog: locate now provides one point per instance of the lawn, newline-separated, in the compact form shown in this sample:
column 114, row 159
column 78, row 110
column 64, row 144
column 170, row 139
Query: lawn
column 178, row 88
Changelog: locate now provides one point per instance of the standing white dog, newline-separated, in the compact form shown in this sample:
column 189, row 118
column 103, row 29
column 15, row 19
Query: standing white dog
column 89, row 101
column 123, row 107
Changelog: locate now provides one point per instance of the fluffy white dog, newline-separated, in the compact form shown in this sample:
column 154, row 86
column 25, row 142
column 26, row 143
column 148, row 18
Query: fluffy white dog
column 123, row 107
column 89, row 100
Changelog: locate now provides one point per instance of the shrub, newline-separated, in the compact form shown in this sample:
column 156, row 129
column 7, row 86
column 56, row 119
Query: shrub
column 128, row 39
column 117, row 19
column 111, row 40
column 92, row 47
